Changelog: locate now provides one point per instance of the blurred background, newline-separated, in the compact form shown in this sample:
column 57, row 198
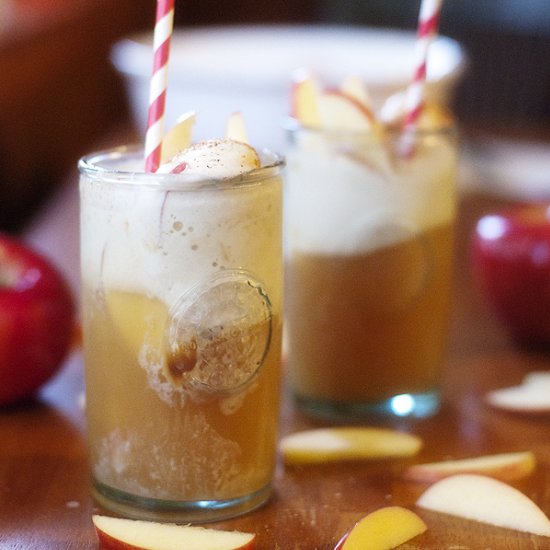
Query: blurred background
column 59, row 91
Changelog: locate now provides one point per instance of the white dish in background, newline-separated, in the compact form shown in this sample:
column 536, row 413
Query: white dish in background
column 218, row 70
column 518, row 170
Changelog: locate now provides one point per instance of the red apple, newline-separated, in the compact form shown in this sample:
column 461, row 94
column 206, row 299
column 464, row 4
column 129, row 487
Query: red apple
column 511, row 259
column 36, row 320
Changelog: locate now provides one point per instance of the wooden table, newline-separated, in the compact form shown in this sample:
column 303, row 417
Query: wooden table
column 44, row 490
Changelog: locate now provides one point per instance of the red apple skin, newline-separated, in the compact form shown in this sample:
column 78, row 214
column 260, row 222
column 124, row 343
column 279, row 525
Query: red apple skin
column 341, row 542
column 109, row 543
column 36, row 320
column 511, row 263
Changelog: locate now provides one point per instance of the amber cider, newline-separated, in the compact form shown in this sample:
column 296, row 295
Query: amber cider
column 380, row 321
column 152, row 440
column 181, row 313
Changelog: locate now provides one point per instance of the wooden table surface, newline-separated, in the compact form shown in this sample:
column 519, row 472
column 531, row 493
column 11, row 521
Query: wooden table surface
column 44, row 486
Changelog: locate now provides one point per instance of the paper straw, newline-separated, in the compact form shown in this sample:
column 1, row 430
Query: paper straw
column 164, row 25
column 428, row 24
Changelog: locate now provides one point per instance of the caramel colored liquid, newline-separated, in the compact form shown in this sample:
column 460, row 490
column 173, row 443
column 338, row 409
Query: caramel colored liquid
column 365, row 328
column 152, row 438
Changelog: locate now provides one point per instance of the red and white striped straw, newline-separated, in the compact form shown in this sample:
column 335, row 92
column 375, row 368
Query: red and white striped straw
column 164, row 25
column 428, row 25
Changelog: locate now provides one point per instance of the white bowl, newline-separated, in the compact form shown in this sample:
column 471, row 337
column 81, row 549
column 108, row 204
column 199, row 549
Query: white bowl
column 217, row 70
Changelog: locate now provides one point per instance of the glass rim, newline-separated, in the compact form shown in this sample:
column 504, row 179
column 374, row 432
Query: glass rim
column 95, row 166
column 292, row 125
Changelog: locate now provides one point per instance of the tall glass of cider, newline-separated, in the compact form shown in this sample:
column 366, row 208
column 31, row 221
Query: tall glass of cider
column 182, row 296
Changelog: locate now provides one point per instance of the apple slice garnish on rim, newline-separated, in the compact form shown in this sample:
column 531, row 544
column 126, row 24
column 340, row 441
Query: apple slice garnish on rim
column 304, row 96
column 347, row 443
column 343, row 108
column 235, row 128
column 128, row 534
column 179, row 137
column 383, row 529
column 354, row 87
column 504, row 466
column 339, row 111
column 486, row 500
column 433, row 115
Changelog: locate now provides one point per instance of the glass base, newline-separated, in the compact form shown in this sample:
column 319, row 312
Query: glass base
column 190, row 511
column 406, row 405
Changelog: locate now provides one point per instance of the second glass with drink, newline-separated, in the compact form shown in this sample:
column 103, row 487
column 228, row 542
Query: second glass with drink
column 369, row 236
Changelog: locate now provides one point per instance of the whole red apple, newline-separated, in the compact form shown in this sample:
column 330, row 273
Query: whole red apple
column 511, row 260
column 36, row 320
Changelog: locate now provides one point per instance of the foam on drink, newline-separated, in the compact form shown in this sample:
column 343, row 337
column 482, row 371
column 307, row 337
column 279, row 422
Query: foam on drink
column 329, row 204
column 368, row 250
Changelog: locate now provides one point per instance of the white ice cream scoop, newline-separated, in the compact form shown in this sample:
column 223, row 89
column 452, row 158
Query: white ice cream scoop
column 214, row 158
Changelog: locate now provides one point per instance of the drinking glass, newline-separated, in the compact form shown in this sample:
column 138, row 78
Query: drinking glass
column 182, row 294
column 369, row 254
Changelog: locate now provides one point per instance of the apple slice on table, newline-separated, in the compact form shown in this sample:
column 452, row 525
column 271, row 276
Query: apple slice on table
column 486, row 500
column 383, row 529
column 525, row 398
column 347, row 443
column 179, row 137
column 540, row 378
column 128, row 534
column 531, row 396
column 505, row 466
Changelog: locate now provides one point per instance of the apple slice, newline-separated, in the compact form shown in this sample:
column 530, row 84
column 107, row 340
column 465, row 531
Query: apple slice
column 339, row 111
column 304, row 100
column 531, row 396
column 128, row 534
column 179, row 137
column 383, row 529
column 505, row 466
column 354, row 87
column 433, row 115
column 135, row 321
column 235, row 128
column 540, row 378
column 487, row 500
column 347, row 443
